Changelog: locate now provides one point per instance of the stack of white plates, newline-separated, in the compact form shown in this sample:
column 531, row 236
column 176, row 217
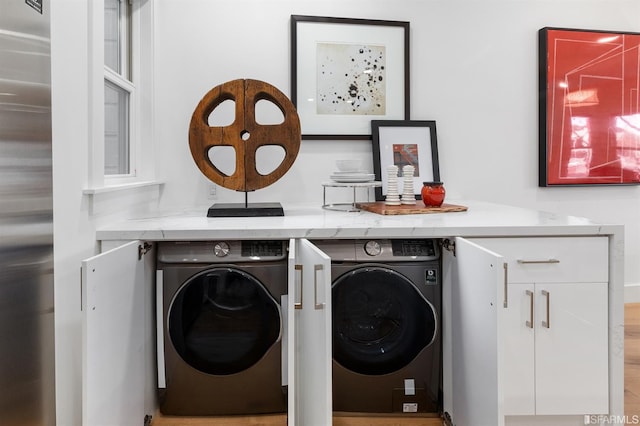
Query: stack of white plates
column 352, row 177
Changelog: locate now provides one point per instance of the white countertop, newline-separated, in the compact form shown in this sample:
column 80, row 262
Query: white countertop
column 480, row 220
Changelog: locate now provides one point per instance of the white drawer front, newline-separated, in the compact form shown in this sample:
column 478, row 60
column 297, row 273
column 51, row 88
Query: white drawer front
column 552, row 259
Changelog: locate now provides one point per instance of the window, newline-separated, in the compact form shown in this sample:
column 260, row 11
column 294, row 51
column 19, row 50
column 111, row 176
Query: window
column 119, row 89
column 120, row 97
column 116, row 130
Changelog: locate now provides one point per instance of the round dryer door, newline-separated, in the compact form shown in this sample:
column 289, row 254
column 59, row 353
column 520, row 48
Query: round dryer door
column 380, row 321
column 223, row 320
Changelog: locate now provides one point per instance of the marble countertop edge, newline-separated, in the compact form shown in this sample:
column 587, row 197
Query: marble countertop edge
column 312, row 222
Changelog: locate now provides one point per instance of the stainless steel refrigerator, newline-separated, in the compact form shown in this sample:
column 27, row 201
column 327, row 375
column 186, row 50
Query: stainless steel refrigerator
column 27, row 381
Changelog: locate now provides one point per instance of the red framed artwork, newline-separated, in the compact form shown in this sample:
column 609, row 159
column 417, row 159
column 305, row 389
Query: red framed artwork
column 589, row 109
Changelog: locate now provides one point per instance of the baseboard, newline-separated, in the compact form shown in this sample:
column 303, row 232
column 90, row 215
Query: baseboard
column 632, row 293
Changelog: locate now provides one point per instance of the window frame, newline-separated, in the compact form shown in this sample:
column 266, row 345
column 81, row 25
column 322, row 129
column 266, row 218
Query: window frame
column 141, row 172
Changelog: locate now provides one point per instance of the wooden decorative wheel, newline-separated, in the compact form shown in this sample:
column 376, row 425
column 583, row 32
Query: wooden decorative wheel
column 244, row 135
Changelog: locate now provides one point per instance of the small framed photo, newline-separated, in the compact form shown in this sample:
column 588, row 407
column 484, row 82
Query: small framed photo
column 402, row 143
column 346, row 72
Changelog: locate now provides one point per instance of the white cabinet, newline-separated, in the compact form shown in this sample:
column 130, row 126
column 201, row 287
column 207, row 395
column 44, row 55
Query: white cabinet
column 118, row 375
column 309, row 336
column 118, row 337
column 472, row 299
column 519, row 347
column 571, row 351
column 555, row 325
column 499, row 359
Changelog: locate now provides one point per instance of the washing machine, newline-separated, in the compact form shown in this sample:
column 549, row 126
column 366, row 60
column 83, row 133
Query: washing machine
column 386, row 328
column 220, row 327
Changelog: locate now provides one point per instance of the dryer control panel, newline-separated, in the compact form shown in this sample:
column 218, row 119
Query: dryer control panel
column 222, row 251
column 367, row 250
column 415, row 248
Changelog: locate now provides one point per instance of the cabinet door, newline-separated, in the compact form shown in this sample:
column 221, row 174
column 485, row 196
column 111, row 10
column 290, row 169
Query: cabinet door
column 114, row 364
column 572, row 349
column 519, row 373
column 474, row 279
column 309, row 336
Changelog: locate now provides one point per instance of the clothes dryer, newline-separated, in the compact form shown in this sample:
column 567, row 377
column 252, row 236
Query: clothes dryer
column 220, row 327
column 386, row 304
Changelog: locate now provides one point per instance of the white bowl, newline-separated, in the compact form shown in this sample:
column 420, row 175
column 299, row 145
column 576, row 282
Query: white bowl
column 349, row 165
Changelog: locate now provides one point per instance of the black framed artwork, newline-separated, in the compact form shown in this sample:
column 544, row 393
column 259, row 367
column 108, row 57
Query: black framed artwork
column 589, row 107
column 402, row 143
column 346, row 72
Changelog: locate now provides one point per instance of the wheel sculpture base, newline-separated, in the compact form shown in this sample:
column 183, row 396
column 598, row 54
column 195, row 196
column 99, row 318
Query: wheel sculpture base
column 245, row 210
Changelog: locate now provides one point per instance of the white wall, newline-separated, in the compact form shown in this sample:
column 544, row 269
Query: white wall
column 76, row 216
column 473, row 70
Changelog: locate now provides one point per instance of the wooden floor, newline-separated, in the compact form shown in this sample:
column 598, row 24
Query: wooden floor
column 281, row 420
column 632, row 359
column 631, row 394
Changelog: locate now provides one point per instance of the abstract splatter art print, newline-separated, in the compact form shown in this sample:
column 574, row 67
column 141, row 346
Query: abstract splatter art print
column 351, row 79
column 347, row 72
column 589, row 107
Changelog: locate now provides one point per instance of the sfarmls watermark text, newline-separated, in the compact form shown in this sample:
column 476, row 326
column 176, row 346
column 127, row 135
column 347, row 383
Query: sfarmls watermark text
column 602, row 419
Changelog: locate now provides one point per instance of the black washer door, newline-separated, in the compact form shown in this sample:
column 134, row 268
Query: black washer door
column 222, row 321
column 380, row 321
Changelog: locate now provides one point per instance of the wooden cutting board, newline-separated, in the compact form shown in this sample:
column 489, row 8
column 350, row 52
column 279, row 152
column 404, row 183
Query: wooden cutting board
column 380, row 207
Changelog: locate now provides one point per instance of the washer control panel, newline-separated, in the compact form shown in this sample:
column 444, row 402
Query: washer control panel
column 380, row 249
column 221, row 251
column 262, row 249
column 419, row 248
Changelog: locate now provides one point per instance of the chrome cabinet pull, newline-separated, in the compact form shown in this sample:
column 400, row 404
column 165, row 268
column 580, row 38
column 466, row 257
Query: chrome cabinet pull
column 547, row 323
column 506, row 285
column 525, row 261
column 530, row 322
column 315, row 286
column 299, row 305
